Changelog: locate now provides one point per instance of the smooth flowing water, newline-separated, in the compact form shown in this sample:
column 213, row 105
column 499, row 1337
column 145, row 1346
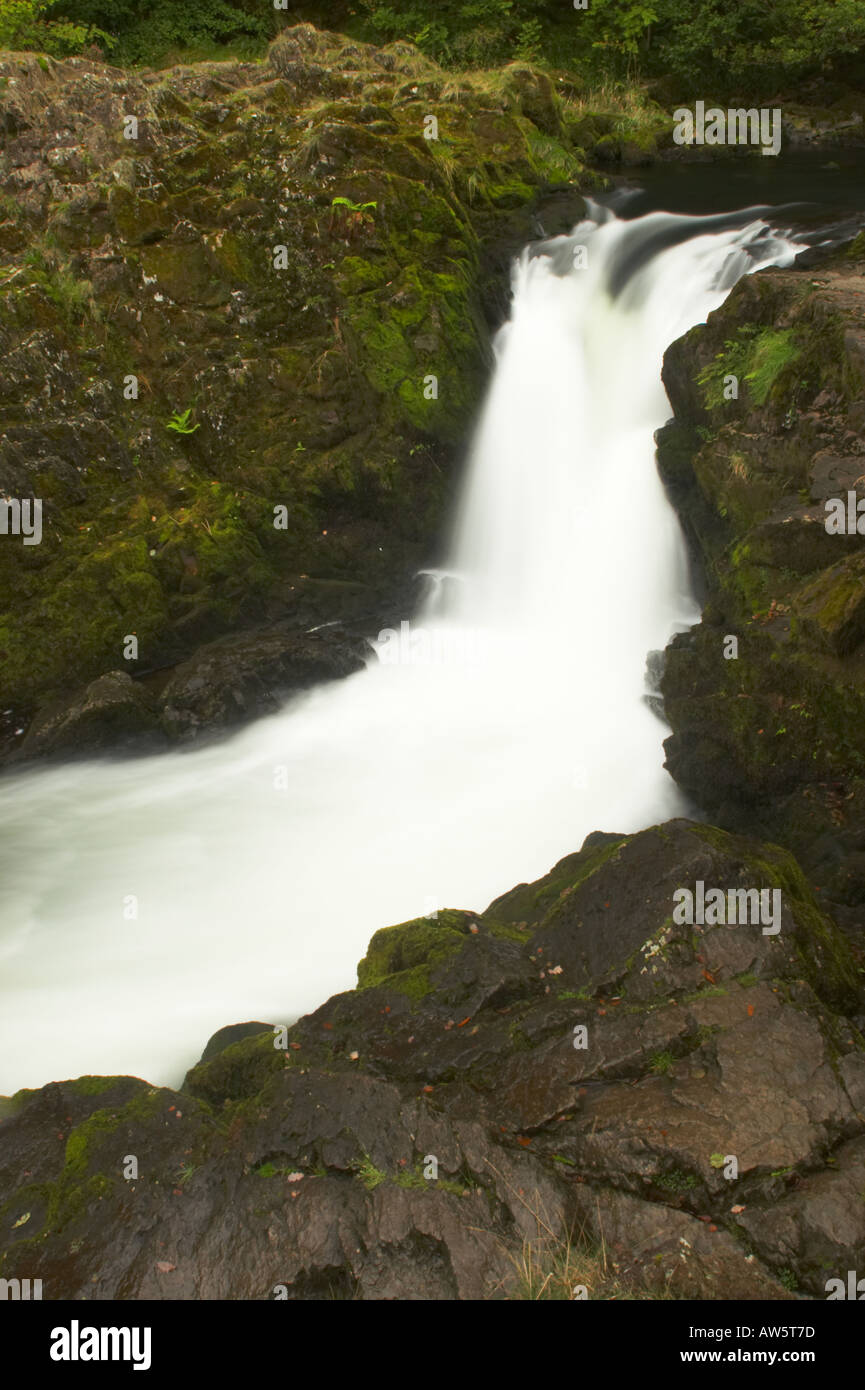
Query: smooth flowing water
column 479, row 746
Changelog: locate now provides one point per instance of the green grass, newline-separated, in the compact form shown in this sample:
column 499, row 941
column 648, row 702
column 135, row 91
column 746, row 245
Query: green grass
column 369, row 1175
column 757, row 357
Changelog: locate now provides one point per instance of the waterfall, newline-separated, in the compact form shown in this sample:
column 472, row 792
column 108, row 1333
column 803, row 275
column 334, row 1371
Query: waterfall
column 482, row 743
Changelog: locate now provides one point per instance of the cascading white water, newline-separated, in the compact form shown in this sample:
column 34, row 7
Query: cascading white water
column 512, row 724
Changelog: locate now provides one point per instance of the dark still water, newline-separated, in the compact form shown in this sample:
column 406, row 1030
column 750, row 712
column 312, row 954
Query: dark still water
column 826, row 185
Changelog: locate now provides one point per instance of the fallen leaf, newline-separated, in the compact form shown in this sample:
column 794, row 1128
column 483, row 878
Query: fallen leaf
column 750, row 1010
column 464, row 1021
column 164, row 1267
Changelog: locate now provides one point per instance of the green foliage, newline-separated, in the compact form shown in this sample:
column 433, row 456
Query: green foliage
column 24, row 24
column 757, row 357
column 160, row 31
column 725, row 49
column 179, row 422
column 661, row 1062
column 370, row 1176
column 352, row 207
column 619, row 27
column 530, row 41
column 751, row 43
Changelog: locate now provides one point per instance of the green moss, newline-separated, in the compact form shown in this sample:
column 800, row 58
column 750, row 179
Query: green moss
column 832, row 607
column 333, row 353
column 677, row 1180
column 519, row 1041
column 238, row 1072
column 86, row 1178
column 94, row 1085
column 402, row 957
column 11, row 1105
column 275, row 1170
column 534, row 904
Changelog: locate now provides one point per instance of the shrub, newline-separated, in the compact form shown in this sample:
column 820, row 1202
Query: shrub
column 24, row 25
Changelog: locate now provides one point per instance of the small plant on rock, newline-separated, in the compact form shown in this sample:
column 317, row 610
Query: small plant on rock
column 179, row 422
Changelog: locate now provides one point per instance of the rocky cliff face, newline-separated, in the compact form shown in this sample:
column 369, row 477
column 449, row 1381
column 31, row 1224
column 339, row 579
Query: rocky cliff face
column 227, row 289
column 772, row 739
column 570, row 1061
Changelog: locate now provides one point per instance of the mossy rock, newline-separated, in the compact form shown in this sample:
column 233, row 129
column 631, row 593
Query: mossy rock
column 238, row 1071
column 831, row 610
column 310, row 385
column 403, row 957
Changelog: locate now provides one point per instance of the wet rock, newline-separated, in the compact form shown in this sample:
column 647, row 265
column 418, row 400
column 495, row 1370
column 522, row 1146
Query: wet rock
column 419, row 1134
column 237, row 678
column 767, row 737
column 232, row 1033
column 113, row 714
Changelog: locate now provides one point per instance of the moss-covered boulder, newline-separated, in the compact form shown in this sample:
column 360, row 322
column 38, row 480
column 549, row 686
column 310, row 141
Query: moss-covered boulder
column 242, row 336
